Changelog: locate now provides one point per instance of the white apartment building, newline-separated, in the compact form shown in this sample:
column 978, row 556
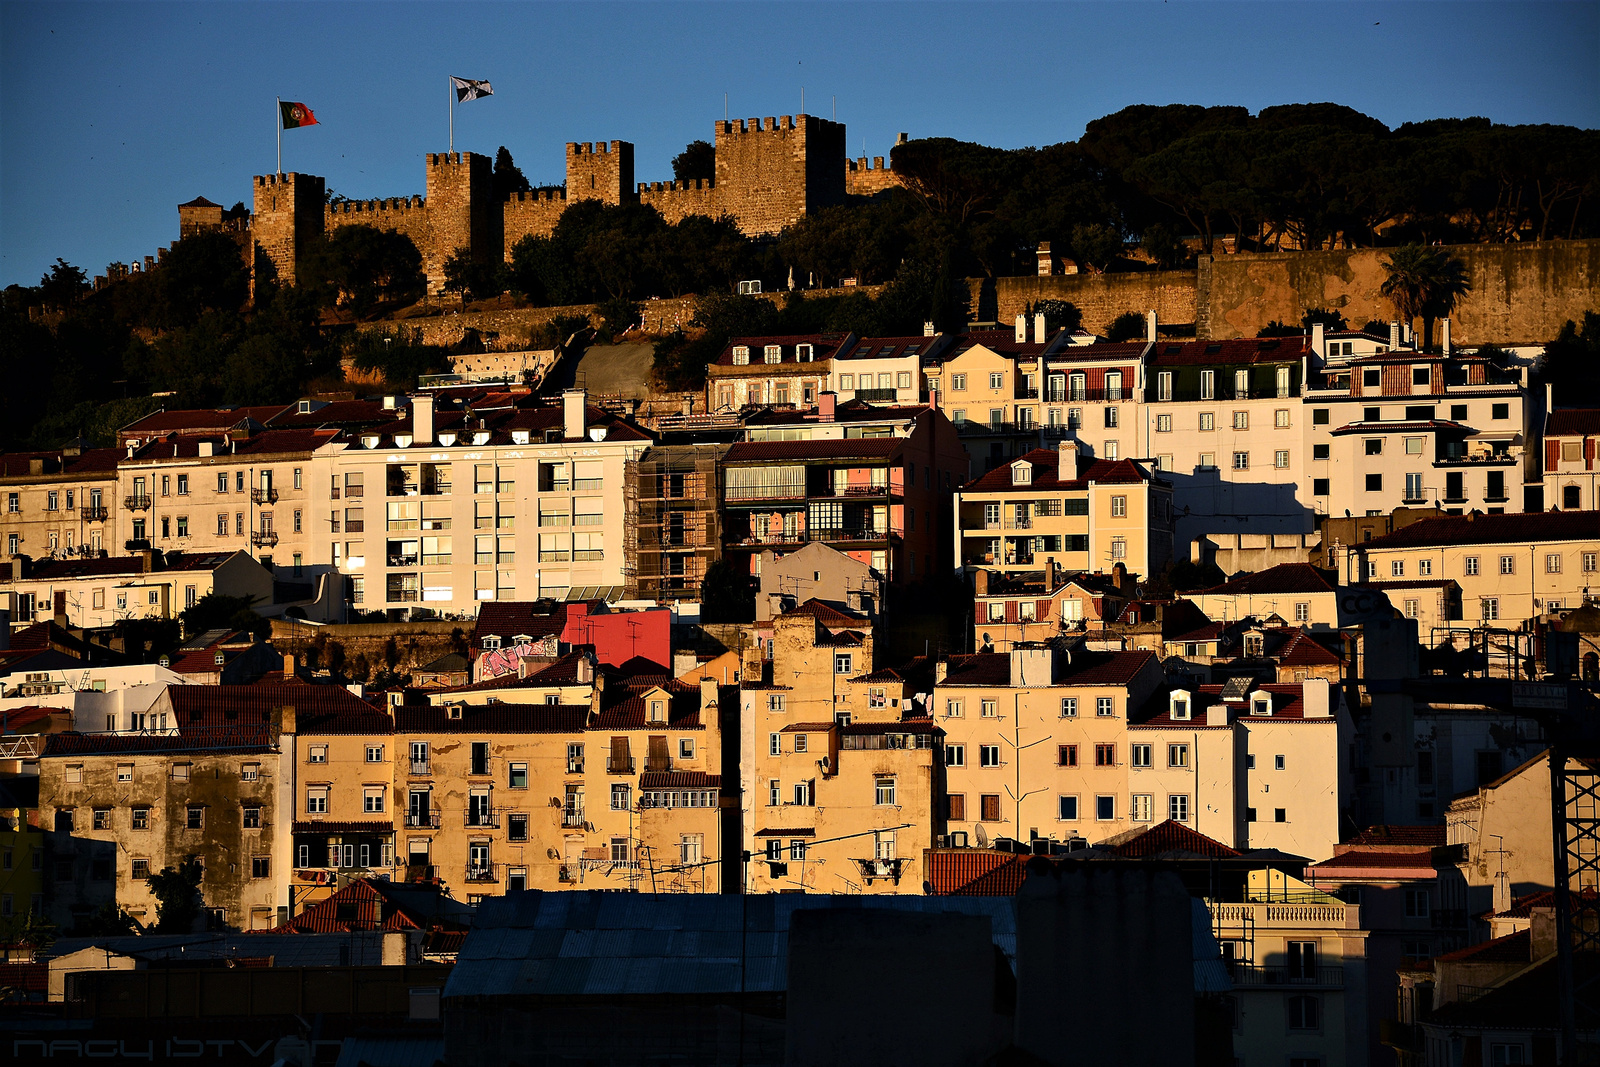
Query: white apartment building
column 884, row 370
column 1569, row 475
column 442, row 510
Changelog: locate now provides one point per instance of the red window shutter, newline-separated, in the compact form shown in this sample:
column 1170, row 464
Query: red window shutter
column 1588, row 453
column 1552, row 454
column 1011, row 611
column 1041, row 609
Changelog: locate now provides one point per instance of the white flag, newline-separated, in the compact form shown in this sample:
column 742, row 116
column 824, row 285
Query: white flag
column 467, row 89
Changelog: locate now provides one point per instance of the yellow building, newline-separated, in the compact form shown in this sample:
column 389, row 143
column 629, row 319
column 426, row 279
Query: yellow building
column 1510, row 567
column 1052, row 509
column 59, row 503
column 840, row 762
column 1036, row 741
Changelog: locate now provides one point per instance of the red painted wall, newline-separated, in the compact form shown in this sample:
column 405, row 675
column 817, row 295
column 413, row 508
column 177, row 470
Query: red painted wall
column 619, row 636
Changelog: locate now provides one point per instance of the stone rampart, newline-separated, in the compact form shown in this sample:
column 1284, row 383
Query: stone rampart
column 1101, row 297
column 532, row 214
column 862, row 179
column 677, row 200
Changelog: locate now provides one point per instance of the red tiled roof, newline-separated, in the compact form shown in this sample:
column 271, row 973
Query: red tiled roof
column 1240, row 350
column 1046, row 474
column 201, row 419
column 1492, row 530
column 1302, row 650
column 1431, row 836
column 827, row 614
column 319, row 709
column 898, row 726
column 1573, row 422
column 823, row 347
column 1086, row 668
column 17, row 720
column 1168, row 837
column 1414, row 583
column 679, row 780
column 630, row 713
column 32, row 978
column 366, row 904
column 1512, row 948
column 502, row 718
column 214, row 739
column 980, row 668
column 849, row 448
column 259, row 445
column 807, row 727
column 873, row 347
column 1419, row 860
column 1287, row 706
column 1120, row 351
column 1522, row 907
column 57, row 463
column 967, row 872
column 1413, row 426
column 1284, row 578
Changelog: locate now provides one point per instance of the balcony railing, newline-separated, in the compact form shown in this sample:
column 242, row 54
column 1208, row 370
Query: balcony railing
column 572, row 817
column 482, row 817
column 1248, row 975
column 422, row 818
column 404, row 596
column 658, row 763
column 263, row 537
column 263, row 496
column 402, row 561
column 420, row 766
column 482, row 872
column 969, row 428
column 877, row 396
column 136, row 543
column 351, row 492
column 136, row 502
column 355, row 525
column 94, row 514
column 420, row 872
column 619, row 764
column 876, row 868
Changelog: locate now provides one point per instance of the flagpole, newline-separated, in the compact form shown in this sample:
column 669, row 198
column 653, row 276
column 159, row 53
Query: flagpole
column 450, row 93
column 280, row 136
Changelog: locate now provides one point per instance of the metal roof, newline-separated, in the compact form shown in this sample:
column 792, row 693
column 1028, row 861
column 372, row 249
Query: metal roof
column 609, row 944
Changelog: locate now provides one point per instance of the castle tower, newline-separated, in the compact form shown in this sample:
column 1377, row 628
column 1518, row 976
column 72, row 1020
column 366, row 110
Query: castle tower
column 600, row 171
column 462, row 212
column 197, row 216
column 289, row 213
column 772, row 171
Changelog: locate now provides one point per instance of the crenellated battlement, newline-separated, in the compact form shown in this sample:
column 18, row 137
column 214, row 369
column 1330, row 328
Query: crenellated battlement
column 602, row 148
column 537, row 196
column 450, row 159
column 683, row 186
column 392, row 204
column 288, row 178
column 859, row 165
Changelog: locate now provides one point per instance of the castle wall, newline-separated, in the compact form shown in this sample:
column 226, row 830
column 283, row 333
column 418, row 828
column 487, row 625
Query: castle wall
column 600, row 171
column 532, row 214
column 677, row 200
column 1101, row 297
column 462, row 212
column 771, row 172
column 1521, row 292
column 405, row 214
column 862, row 179
column 288, row 218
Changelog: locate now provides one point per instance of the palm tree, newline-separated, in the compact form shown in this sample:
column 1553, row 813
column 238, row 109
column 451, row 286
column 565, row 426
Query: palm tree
column 1424, row 281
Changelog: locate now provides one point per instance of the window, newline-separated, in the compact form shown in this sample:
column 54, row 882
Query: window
column 1067, row 809
column 1140, row 807
column 988, row 755
column 883, row 791
column 1066, row 755
column 987, row 709
column 958, row 383
column 1105, row 808
column 952, row 709
column 317, row 754
column 956, row 807
column 955, row 755
column 1500, row 411
column 621, row 798
column 1470, row 565
column 1416, row 903
column 1397, row 568
column 102, row 819
column 997, row 380
column 1178, row 808
column 1280, row 458
column 1163, row 424
column 1139, row 755
column 1105, row 755
column 1508, row 564
column 1241, row 461
column 141, row 818
column 1069, row 707
column 1304, row 1013
column 1177, row 755
column 799, row 742
column 1374, row 483
column 1164, row 385
column 842, row 662
column 1280, row 418
column 195, row 817
column 1208, row 384
column 1280, row 815
column 1208, row 420
column 774, row 744
column 480, row 757
column 1302, row 961
column 989, row 807
column 1119, row 507
column 1103, row 707
column 317, row 800
column 1241, row 420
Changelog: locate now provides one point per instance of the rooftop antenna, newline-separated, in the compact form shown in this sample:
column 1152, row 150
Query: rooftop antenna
column 724, row 107
column 802, row 99
column 835, row 109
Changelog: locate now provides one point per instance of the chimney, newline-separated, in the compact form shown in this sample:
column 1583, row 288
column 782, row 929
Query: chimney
column 688, row 404
column 708, row 702
column 36, row 465
column 826, row 404
column 901, row 138
column 1444, row 339
column 1541, row 932
column 596, row 691
column 1319, row 340
column 1066, row 461
column 1119, row 575
column 940, row 671
column 21, row 567
column 1314, row 702
column 1047, row 261
column 573, row 402
column 290, row 668
column 59, row 604
column 422, row 420
column 1150, row 326
column 1038, row 327
column 1217, row 715
column 927, row 328
column 286, row 720
column 1022, row 328
column 980, row 583
column 146, row 560
column 1394, row 334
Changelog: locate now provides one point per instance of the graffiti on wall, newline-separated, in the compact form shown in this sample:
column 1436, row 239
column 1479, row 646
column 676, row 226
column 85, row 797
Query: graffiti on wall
column 497, row 663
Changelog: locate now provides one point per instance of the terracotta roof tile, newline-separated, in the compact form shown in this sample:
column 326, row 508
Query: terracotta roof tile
column 1573, row 422
column 1492, row 530
column 1420, row 860
column 1165, row 838
column 1284, row 578
column 1431, row 836
column 1046, row 474
column 1512, row 948
column 1241, row 350
column 679, row 780
column 964, row 872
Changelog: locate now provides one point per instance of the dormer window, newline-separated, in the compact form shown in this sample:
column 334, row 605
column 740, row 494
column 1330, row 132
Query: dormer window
column 1179, row 705
column 481, row 437
column 741, row 355
column 658, row 711
column 1260, row 703
column 304, row 407
column 402, row 440
column 772, row 354
column 520, row 437
column 369, row 440
column 447, row 439
column 453, row 711
column 491, row 642
column 1022, row 474
column 803, row 353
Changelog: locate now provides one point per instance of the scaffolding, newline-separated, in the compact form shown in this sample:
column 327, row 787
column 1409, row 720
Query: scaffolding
column 674, row 534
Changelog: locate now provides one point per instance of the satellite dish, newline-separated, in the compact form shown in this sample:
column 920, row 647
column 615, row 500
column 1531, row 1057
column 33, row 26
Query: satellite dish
column 980, row 835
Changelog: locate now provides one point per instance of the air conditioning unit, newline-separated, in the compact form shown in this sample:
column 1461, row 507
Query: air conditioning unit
column 941, row 841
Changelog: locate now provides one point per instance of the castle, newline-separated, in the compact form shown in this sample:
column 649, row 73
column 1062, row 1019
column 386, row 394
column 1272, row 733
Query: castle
column 769, row 173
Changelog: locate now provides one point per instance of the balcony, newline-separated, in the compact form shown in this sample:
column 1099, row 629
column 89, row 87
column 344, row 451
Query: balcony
column 483, row 818
column 420, row 872
column 352, row 492
column 572, row 817
column 402, row 561
column 136, row 544
column 654, row 764
column 968, row 428
column 422, row 819
column 420, row 767
column 876, row 868
column 482, row 872
column 404, row 596
column 263, row 537
column 619, row 765
column 1261, row 977
column 136, row 502
column 264, row 496
column 355, row 525
column 94, row 514
column 1476, row 459
column 878, row 396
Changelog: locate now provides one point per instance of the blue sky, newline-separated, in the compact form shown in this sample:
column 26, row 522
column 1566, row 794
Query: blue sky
column 116, row 113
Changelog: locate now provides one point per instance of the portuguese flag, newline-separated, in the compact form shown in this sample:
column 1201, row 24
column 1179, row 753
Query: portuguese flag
column 296, row 115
